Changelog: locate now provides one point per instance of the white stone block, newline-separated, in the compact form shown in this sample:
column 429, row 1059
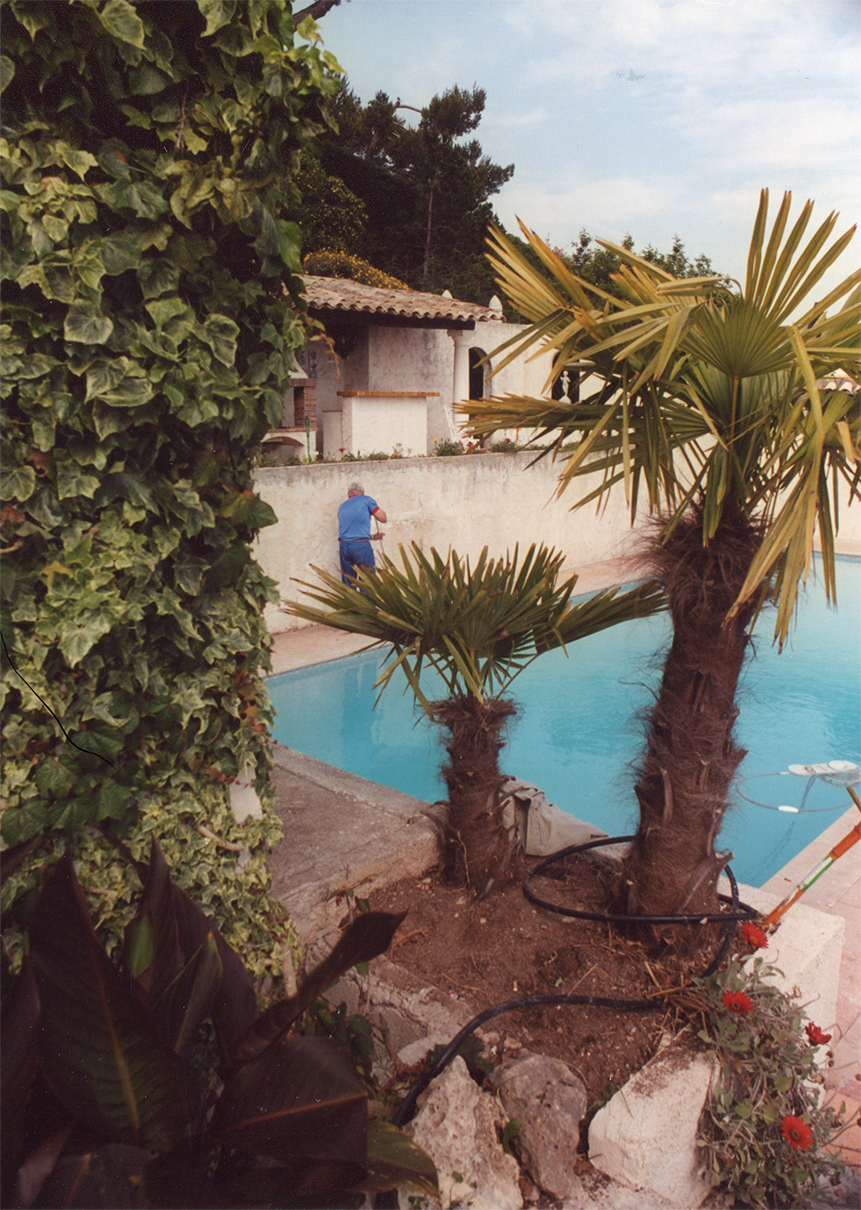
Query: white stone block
column 457, row 1126
column 645, row 1136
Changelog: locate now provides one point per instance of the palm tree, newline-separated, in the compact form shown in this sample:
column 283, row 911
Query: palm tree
column 707, row 404
column 478, row 628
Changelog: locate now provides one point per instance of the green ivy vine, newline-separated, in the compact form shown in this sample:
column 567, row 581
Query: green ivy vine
column 151, row 309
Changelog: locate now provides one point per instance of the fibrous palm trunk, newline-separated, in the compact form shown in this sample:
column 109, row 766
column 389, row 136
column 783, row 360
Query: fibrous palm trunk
column 481, row 850
column 685, row 775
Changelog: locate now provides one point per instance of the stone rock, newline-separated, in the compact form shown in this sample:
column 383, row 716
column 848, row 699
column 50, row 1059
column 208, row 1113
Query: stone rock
column 408, row 1017
column 549, row 1101
column 645, row 1136
column 458, row 1127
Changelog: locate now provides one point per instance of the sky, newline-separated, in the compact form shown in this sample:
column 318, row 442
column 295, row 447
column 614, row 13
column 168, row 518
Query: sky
column 652, row 118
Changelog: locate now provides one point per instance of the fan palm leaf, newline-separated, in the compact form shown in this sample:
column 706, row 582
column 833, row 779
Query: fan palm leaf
column 710, row 403
column 477, row 626
column 704, row 394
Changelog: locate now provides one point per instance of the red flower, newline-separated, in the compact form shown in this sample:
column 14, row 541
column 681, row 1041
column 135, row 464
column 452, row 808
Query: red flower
column 815, row 1036
column 797, row 1133
column 754, row 936
column 737, row 1002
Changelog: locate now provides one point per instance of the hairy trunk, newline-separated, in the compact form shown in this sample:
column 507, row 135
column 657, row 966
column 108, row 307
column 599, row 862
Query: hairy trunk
column 481, row 851
column 685, row 775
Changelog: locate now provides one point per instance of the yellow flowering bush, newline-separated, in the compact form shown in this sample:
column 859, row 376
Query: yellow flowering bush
column 341, row 264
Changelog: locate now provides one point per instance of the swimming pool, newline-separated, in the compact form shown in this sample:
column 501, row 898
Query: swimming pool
column 576, row 730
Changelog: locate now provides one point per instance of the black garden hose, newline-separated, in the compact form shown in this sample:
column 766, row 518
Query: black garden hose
column 406, row 1109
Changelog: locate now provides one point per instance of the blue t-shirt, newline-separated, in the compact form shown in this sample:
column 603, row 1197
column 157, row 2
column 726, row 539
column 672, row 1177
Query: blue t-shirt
column 354, row 518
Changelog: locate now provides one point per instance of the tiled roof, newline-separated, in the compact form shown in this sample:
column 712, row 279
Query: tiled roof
column 346, row 296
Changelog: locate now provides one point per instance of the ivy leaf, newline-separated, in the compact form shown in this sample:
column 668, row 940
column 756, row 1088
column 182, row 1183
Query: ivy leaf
column 113, row 801
column 227, row 568
column 84, row 325
column 120, row 252
column 147, row 80
column 72, row 482
column 52, row 777
column 217, row 14
column 121, row 21
column 7, row 72
column 220, row 333
column 18, row 483
column 158, row 275
column 79, row 161
column 290, row 243
column 80, row 634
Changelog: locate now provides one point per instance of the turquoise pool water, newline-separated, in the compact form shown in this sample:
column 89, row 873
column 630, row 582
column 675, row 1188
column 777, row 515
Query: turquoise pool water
column 576, row 731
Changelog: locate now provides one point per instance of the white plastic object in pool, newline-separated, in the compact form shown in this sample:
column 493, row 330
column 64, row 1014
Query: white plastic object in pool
column 837, row 772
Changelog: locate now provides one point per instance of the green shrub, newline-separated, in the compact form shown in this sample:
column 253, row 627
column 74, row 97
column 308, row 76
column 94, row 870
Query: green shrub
column 765, row 1127
column 152, row 307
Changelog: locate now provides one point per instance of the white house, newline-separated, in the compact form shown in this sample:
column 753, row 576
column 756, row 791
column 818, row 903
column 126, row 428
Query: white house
column 391, row 367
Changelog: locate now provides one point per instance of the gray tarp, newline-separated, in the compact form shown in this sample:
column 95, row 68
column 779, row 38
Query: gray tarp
column 545, row 827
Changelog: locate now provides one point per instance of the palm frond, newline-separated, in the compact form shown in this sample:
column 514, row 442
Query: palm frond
column 478, row 627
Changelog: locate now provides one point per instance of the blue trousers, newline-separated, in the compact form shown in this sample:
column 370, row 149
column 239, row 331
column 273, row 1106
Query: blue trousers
column 354, row 555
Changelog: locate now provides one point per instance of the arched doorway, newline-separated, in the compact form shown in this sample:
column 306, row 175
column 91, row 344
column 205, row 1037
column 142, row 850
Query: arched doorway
column 477, row 373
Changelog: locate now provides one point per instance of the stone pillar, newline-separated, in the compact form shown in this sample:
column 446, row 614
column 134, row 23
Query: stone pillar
column 460, row 377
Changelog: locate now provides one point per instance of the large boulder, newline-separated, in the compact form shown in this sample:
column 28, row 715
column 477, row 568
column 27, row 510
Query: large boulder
column 549, row 1101
column 459, row 1127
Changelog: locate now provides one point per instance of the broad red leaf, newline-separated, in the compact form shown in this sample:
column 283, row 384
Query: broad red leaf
column 301, row 1099
column 38, row 1166
column 178, row 971
column 108, row 1176
column 168, row 933
column 395, row 1162
column 98, row 1050
column 364, row 938
column 19, row 1061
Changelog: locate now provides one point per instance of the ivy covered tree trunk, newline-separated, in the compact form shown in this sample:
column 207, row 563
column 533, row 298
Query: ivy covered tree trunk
column 151, row 307
column 481, row 850
column 691, row 757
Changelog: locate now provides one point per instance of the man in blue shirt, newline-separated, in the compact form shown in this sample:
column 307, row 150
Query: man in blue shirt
column 354, row 532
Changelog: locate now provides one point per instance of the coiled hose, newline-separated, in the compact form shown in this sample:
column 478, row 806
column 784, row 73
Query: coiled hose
column 739, row 911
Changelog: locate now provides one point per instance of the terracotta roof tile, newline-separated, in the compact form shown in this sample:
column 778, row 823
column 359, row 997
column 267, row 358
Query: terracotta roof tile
column 344, row 295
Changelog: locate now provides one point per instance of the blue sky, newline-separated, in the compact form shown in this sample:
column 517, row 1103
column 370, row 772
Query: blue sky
column 648, row 117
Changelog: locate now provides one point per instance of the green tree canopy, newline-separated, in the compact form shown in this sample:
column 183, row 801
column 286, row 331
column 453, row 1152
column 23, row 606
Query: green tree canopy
column 425, row 186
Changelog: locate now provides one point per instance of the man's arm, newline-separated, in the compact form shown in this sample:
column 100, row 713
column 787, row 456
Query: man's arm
column 380, row 515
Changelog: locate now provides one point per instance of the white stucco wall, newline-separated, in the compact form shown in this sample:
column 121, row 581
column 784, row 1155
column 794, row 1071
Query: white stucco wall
column 464, row 503
column 384, row 423
column 467, row 502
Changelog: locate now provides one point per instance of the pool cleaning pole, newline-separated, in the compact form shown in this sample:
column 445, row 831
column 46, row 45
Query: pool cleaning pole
column 839, row 849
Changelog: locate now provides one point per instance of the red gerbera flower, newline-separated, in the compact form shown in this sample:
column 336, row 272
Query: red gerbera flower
column 797, row 1133
column 737, row 1002
column 754, row 935
column 815, row 1036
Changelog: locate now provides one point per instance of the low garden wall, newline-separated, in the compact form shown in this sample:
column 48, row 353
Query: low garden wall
column 464, row 502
